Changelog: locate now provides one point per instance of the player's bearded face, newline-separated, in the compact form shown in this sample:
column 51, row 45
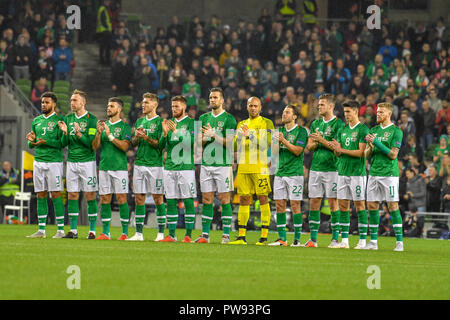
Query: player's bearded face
column 382, row 114
column 215, row 101
column 146, row 106
column 323, row 107
column 112, row 111
column 177, row 109
column 350, row 114
column 287, row 116
column 75, row 103
column 47, row 105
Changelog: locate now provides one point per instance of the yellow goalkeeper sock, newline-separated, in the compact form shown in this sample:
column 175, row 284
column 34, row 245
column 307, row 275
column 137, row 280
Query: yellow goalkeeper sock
column 243, row 215
column 265, row 220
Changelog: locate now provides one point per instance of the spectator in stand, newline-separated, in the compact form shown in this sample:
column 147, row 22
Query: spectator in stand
column 413, row 224
column 434, row 186
column 445, row 202
column 104, row 32
column 443, row 117
column 429, row 118
column 400, row 77
column 5, row 58
column 370, row 101
column 352, row 59
column 122, row 76
column 46, row 31
column 44, row 67
column 163, row 73
column 48, row 47
column 339, row 78
column 371, row 70
column 432, row 98
column 177, row 77
column 421, row 81
column 410, row 147
column 142, row 52
column 62, row 30
column 143, row 79
column 21, row 59
column 388, row 51
column 358, row 86
column 440, row 151
column 119, row 36
column 303, row 85
column 415, row 163
column 406, row 124
column 62, row 57
column 191, row 90
column 38, row 90
column 225, row 55
column 416, row 192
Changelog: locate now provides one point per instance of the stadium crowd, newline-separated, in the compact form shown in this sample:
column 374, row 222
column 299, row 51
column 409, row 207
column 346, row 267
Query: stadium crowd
column 283, row 61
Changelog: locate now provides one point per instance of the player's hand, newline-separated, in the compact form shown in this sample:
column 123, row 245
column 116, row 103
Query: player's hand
column 336, row 146
column 31, row 136
column 207, row 131
column 245, row 130
column 172, row 126
column 100, row 127
column 39, row 142
column 370, row 138
column 165, row 127
column 62, row 126
column 107, row 131
column 140, row 133
column 316, row 136
column 281, row 137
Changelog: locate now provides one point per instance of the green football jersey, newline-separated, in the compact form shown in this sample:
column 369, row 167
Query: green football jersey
column 350, row 138
column 380, row 164
column 47, row 129
column 220, row 123
column 180, row 146
column 111, row 157
column 80, row 149
column 288, row 163
column 147, row 155
column 324, row 159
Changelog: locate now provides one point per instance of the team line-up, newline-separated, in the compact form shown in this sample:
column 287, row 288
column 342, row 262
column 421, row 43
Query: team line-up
column 338, row 169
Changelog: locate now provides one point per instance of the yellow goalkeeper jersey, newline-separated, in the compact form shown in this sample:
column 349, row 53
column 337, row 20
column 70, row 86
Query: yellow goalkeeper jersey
column 253, row 150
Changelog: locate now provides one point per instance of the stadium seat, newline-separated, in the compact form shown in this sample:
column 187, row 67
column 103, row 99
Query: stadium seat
column 61, row 83
column 26, row 90
column 64, row 105
column 126, row 99
column 126, row 109
column 65, row 90
column 24, row 82
column 49, row 83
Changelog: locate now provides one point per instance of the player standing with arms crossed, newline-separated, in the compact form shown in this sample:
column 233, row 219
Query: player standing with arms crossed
column 253, row 140
column 79, row 128
column 288, row 184
column 148, row 170
column 323, row 173
column 179, row 169
column 216, row 173
column 114, row 138
column 349, row 146
column 45, row 137
column 384, row 142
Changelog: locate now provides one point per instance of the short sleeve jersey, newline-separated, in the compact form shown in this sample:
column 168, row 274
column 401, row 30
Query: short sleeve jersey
column 148, row 155
column 350, row 138
column 80, row 149
column 288, row 163
column 324, row 159
column 111, row 157
column 47, row 128
column 253, row 151
column 380, row 165
column 180, row 146
column 213, row 154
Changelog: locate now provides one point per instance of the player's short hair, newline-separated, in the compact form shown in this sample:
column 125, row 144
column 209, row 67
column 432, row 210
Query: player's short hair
column 151, row 96
column 50, row 95
column 294, row 109
column 351, row 104
column 218, row 89
column 116, row 100
column 180, row 98
column 329, row 97
column 80, row 93
column 254, row 97
column 386, row 105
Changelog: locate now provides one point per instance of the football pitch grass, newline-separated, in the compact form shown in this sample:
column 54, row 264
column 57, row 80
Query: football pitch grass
column 37, row 268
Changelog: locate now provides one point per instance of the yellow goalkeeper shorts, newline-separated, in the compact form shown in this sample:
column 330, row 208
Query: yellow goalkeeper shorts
column 253, row 183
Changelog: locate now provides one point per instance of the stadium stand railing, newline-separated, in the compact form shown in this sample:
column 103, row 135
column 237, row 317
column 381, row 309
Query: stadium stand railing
column 20, row 96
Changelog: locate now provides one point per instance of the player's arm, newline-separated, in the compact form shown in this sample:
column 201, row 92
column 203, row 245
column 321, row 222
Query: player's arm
column 122, row 145
column 97, row 138
column 359, row 153
column 296, row 150
column 31, row 137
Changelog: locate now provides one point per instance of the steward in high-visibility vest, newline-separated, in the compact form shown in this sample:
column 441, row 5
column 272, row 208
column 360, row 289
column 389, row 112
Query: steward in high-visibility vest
column 309, row 12
column 286, row 7
column 104, row 33
column 103, row 20
column 9, row 185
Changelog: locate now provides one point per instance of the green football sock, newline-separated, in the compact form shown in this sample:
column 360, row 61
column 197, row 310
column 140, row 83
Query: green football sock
column 344, row 223
column 363, row 221
column 42, row 212
column 374, row 222
column 92, row 214
column 124, row 211
column 207, row 216
column 73, row 211
column 172, row 216
column 227, row 216
column 189, row 215
column 281, row 225
column 140, row 217
column 314, row 224
column 59, row 212
column 397, row 224
column 298, row 219
column 106, row 217
column 335, row 227
column 161, row 217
